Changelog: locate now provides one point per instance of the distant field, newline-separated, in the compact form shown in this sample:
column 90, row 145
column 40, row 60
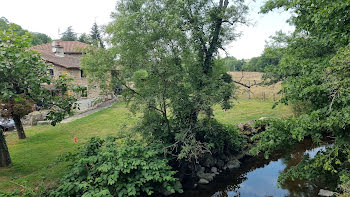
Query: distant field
column 256, row 92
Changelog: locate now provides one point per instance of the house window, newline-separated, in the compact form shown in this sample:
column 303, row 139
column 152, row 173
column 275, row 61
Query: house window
column 82, row 74
column 51, row 72
column 84, row 92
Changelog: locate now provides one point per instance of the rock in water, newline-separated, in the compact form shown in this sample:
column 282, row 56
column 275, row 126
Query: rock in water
column 214, row 170
column 324, row 192
column 203, row 181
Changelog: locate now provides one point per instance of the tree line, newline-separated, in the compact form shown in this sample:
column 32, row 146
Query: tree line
column 37, row 38
column 269, row 58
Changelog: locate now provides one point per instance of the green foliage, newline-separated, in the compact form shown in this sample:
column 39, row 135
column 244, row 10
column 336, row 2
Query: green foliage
column 221, row 138
column 96, row 37
column 314, row 69
column 37, row 38
column 22, row 71
column 99, row 65
column 269, row 59
column 233, row 64
column 24, row 75
column 18, row 193
column 170, row 50
column 69, row 35
column 299, row 107
column 84, row 38
column 123, row 167
column 23, row 78
column 40, row 38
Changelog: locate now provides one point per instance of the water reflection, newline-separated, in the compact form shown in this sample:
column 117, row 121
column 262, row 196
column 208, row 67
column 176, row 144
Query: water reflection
column 257, row 177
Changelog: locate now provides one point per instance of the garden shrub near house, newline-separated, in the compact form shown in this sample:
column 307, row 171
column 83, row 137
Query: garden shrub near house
column 123, row 167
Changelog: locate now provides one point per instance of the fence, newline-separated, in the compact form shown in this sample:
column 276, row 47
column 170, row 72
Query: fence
column 256, row 91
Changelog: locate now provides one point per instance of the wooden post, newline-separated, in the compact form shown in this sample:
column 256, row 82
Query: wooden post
column 263, row 96
column 249, row 90
column 274, row 97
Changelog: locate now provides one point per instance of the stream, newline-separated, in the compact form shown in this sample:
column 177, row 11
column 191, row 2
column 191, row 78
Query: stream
column 257, row 177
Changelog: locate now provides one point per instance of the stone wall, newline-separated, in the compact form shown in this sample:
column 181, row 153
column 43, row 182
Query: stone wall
column 34, row 118
column 93, row 91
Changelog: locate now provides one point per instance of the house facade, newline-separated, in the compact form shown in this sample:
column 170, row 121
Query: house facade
column 64, row 57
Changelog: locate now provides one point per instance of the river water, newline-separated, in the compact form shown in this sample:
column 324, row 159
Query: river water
column 257, row 177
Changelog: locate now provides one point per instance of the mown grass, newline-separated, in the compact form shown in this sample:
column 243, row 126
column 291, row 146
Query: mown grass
column 245, row 110
column 35, row 158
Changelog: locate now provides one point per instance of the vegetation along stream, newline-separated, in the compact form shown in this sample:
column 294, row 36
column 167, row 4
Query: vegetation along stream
column 258, row 176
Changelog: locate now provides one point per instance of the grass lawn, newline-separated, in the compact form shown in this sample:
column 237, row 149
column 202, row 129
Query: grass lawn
column 35, row 158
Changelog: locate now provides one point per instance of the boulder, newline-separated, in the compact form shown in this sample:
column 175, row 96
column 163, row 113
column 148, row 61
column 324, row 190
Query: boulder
column 203, row 181
column 324, row 192
column 214, row 170
column 240, row 155
column 220, row 163
column 263, row 118
column 207, row 176
column 209, row 161
column 233, row 163
column 250, row 123
column 240, row 126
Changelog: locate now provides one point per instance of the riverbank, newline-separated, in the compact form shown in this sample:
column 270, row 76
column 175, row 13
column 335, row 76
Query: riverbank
column 257, row 176
column 35, row 159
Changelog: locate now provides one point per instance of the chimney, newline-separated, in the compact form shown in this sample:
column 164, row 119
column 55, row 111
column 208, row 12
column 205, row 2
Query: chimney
column 57, row 49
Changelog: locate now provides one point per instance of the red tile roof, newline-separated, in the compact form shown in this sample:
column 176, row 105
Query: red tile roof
column 69, row 47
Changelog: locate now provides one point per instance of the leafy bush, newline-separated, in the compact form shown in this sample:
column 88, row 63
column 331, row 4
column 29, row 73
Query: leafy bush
column 123, row 167
column 300, row 107
column 222, row 138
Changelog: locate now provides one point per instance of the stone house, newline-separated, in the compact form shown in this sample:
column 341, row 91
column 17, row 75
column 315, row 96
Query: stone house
column 64, row 57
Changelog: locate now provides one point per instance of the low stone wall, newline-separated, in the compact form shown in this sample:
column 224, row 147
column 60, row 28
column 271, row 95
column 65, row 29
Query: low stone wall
column 34, row 118
column 38, row 117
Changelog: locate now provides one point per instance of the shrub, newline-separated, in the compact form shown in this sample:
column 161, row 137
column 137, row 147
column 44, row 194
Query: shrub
column 300, row 107
column 223, row 139
column 123, row 167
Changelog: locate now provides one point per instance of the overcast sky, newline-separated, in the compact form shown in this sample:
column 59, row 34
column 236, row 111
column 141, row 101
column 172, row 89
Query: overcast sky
column 50, row 17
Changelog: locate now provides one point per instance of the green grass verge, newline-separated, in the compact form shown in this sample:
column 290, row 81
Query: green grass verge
column 245, row 110
column 35, row 158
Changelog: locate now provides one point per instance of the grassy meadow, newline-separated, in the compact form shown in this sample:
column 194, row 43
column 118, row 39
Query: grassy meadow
column 255, row 91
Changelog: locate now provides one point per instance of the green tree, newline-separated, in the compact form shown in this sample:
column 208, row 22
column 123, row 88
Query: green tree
column 167, row 50
column 69, row 35
column 96, row 36
column 3, row 23
column 85, row 38
column 233, row 64
column 37, row 38
column 100, row 65
column 314, row 70
column 40, row 38
column 23, row 77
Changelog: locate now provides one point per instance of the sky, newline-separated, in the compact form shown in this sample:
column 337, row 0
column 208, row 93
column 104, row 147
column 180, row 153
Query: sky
column 51, row 17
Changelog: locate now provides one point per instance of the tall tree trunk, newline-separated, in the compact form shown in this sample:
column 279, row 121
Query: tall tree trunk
column 5, row 159
column 19, row 127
